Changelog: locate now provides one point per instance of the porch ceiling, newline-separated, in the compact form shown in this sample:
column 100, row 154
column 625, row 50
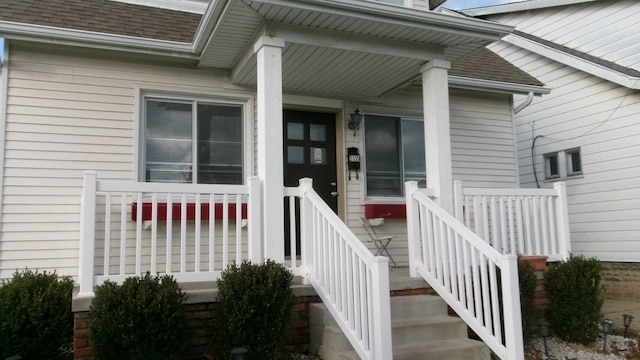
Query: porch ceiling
column 347, row 48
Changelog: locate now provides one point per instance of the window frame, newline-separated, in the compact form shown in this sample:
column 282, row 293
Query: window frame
column 380, row 199
column 246, row 118
column 564, row 166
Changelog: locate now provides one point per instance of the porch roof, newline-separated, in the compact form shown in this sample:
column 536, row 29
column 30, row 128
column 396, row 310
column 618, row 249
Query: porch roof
column 345, row 48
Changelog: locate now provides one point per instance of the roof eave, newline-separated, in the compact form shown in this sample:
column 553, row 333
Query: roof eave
column 459, row 82
column 626, row 80
column 520, row 6
column 96, row 40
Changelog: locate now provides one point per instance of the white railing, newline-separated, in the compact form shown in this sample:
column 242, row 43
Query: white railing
column 517, row 221
column 479, row 283
column 352, row 283
column 192, row 232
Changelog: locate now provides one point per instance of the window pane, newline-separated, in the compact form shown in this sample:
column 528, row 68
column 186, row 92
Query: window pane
column 168, row 146
column 295, row 131
column 295, row 154
column 413, row 152
column 576, row 165
column 382, row 151
column 318, row 132
column 551, row 165
column 219, row 144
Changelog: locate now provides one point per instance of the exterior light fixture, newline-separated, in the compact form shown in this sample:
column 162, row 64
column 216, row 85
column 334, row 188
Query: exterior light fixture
column 543, row 330
column 626, row 319
column 607, row 327
column 354, row 122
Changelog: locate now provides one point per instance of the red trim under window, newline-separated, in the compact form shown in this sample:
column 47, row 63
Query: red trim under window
column 176, row 211
column 388, row 211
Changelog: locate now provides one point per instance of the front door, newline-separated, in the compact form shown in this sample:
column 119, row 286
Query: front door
column 310, row 151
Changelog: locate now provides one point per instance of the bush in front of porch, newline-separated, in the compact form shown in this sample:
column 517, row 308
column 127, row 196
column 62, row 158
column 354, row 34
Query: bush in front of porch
column 141, row 319
column 253, row 310
column 35, row 316
column 575, row 300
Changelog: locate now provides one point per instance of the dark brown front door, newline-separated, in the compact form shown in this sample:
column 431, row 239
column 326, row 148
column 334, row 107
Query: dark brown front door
column 310, row 151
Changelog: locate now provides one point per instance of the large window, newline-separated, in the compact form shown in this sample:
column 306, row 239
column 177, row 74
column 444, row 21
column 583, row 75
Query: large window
column 394, row 154
column 188, row 141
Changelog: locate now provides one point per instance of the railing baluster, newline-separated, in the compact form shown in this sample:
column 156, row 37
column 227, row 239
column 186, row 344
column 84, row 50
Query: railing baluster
column 238, row 229
column 138, row 265
column 197, row 224
column 169, row 232
column 154, row 232
column 212, row 232
column 183, row 233
column 107, row 234
column 225, row 231
column 123, row 233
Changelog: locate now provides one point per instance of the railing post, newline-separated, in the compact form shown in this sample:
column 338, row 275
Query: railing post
column 562, row 211
column 413, row 227
column 306, row 228
column 511, row 307
column 254, row 214
column 458, row 201
column 87, row 234
column 381, row 309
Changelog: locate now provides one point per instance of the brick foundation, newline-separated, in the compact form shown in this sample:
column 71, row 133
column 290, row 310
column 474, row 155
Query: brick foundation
column 200, row 318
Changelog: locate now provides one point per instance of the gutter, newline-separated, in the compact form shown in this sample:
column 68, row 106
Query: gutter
column 460, row 82
column 53, row 35
column 524, row 104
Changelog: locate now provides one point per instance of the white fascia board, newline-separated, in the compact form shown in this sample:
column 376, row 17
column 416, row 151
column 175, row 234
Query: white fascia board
column 520, row 6
column 72, row 37
column 210, row 20
column 459, row 82
column 399, row 15
column 628, row 81
column 194, row 7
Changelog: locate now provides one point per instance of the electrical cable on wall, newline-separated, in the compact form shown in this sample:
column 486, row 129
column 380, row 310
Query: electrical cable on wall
column 554, row 140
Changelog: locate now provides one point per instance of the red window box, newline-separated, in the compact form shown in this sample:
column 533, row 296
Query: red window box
column 176, row 211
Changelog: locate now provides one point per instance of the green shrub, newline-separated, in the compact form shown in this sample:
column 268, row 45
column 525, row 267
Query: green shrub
column 141, row 319
column 530, row 314
column 574, row 299
column 253, row 310
column 35, row 316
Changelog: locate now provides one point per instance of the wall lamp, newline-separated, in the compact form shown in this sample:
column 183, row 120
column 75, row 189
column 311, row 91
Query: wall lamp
column 354, row 122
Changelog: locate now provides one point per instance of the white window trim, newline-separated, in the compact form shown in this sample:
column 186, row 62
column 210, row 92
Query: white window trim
column 564, row 165
column 366, row 199
column 248, row 124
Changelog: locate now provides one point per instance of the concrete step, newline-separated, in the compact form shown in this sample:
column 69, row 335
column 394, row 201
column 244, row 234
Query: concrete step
column 456, row 349
column 421, row 329
column 407, row 307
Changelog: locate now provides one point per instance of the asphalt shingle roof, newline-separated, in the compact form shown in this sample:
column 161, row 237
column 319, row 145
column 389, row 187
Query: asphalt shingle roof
column 486, row 65
column 112, row 17
column 103, row 16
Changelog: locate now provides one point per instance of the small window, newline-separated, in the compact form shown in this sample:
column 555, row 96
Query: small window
column 551, row 167
column 574, row 165
column 188, row 141
column 562, row 164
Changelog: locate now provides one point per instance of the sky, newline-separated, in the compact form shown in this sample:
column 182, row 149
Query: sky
column 466, row 4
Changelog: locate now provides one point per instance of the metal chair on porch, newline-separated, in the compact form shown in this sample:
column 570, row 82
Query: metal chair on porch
column 380, row 241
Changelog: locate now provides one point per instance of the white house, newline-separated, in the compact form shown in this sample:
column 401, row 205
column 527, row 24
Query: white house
column 135, row 138
column 586, row 132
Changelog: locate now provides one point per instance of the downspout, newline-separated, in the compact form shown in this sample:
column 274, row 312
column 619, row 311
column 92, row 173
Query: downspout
column 517, row 109
column 4, row 96
column 525, row 103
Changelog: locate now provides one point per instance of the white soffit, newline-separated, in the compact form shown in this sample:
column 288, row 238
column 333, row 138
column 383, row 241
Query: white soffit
column 190, row 6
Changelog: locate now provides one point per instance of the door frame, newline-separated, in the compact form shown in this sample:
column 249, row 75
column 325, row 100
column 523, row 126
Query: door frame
column 340, row 164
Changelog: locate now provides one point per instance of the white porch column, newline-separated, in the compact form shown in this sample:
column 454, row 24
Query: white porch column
column 435, row 93
column 269, row 132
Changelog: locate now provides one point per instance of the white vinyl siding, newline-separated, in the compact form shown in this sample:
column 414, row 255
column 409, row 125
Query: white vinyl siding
column 605, row 29
column 600, row 118
column 483, row 151
column 68, row 112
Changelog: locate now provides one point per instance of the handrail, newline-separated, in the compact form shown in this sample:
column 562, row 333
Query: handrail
column 478, row 283
column 198, row 247
column 352, row 283
column 517, row 221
